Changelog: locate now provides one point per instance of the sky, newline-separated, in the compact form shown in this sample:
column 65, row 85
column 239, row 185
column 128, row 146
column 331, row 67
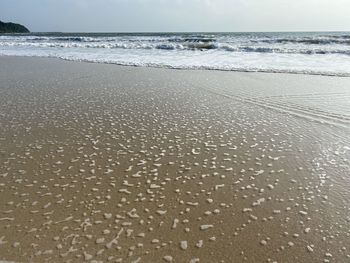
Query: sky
column 177, row 15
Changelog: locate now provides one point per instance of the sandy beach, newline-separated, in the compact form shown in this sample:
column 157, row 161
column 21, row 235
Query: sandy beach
column 107, row 163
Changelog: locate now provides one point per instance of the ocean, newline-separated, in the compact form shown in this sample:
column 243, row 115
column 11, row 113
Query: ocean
column 320, row 53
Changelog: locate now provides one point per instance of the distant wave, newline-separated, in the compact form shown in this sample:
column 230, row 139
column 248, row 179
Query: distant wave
column 343, row 40
column 284, row 51
column 180, row 46
column 319, row 40
column 193, row 39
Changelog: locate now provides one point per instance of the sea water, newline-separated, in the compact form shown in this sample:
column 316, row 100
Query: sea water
column 322, row 53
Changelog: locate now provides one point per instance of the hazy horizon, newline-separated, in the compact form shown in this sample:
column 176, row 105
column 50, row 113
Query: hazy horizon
column 175, row 32
column 140, row 16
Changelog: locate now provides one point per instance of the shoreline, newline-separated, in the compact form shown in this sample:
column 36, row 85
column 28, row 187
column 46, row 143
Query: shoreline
column 138, row 164
column 325, row 74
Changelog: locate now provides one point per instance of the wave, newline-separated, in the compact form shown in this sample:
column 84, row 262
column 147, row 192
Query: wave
column 285, row 50
column 344, row 40
column 181, row 46
column 193, row 40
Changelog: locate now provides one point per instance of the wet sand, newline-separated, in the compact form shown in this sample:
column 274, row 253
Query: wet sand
column 102, row 163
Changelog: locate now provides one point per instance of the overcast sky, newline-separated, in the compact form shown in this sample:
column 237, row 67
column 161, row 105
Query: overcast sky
column 178, row 15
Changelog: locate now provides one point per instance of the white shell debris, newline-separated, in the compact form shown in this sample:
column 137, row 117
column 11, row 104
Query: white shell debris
column 168, row 258
column 183, row 245
column 205, row 227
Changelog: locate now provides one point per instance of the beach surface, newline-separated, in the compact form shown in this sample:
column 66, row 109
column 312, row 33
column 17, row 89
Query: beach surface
column 105, row 163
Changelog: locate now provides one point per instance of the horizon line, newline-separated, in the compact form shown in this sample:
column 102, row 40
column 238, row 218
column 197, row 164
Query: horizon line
column 189, row 32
